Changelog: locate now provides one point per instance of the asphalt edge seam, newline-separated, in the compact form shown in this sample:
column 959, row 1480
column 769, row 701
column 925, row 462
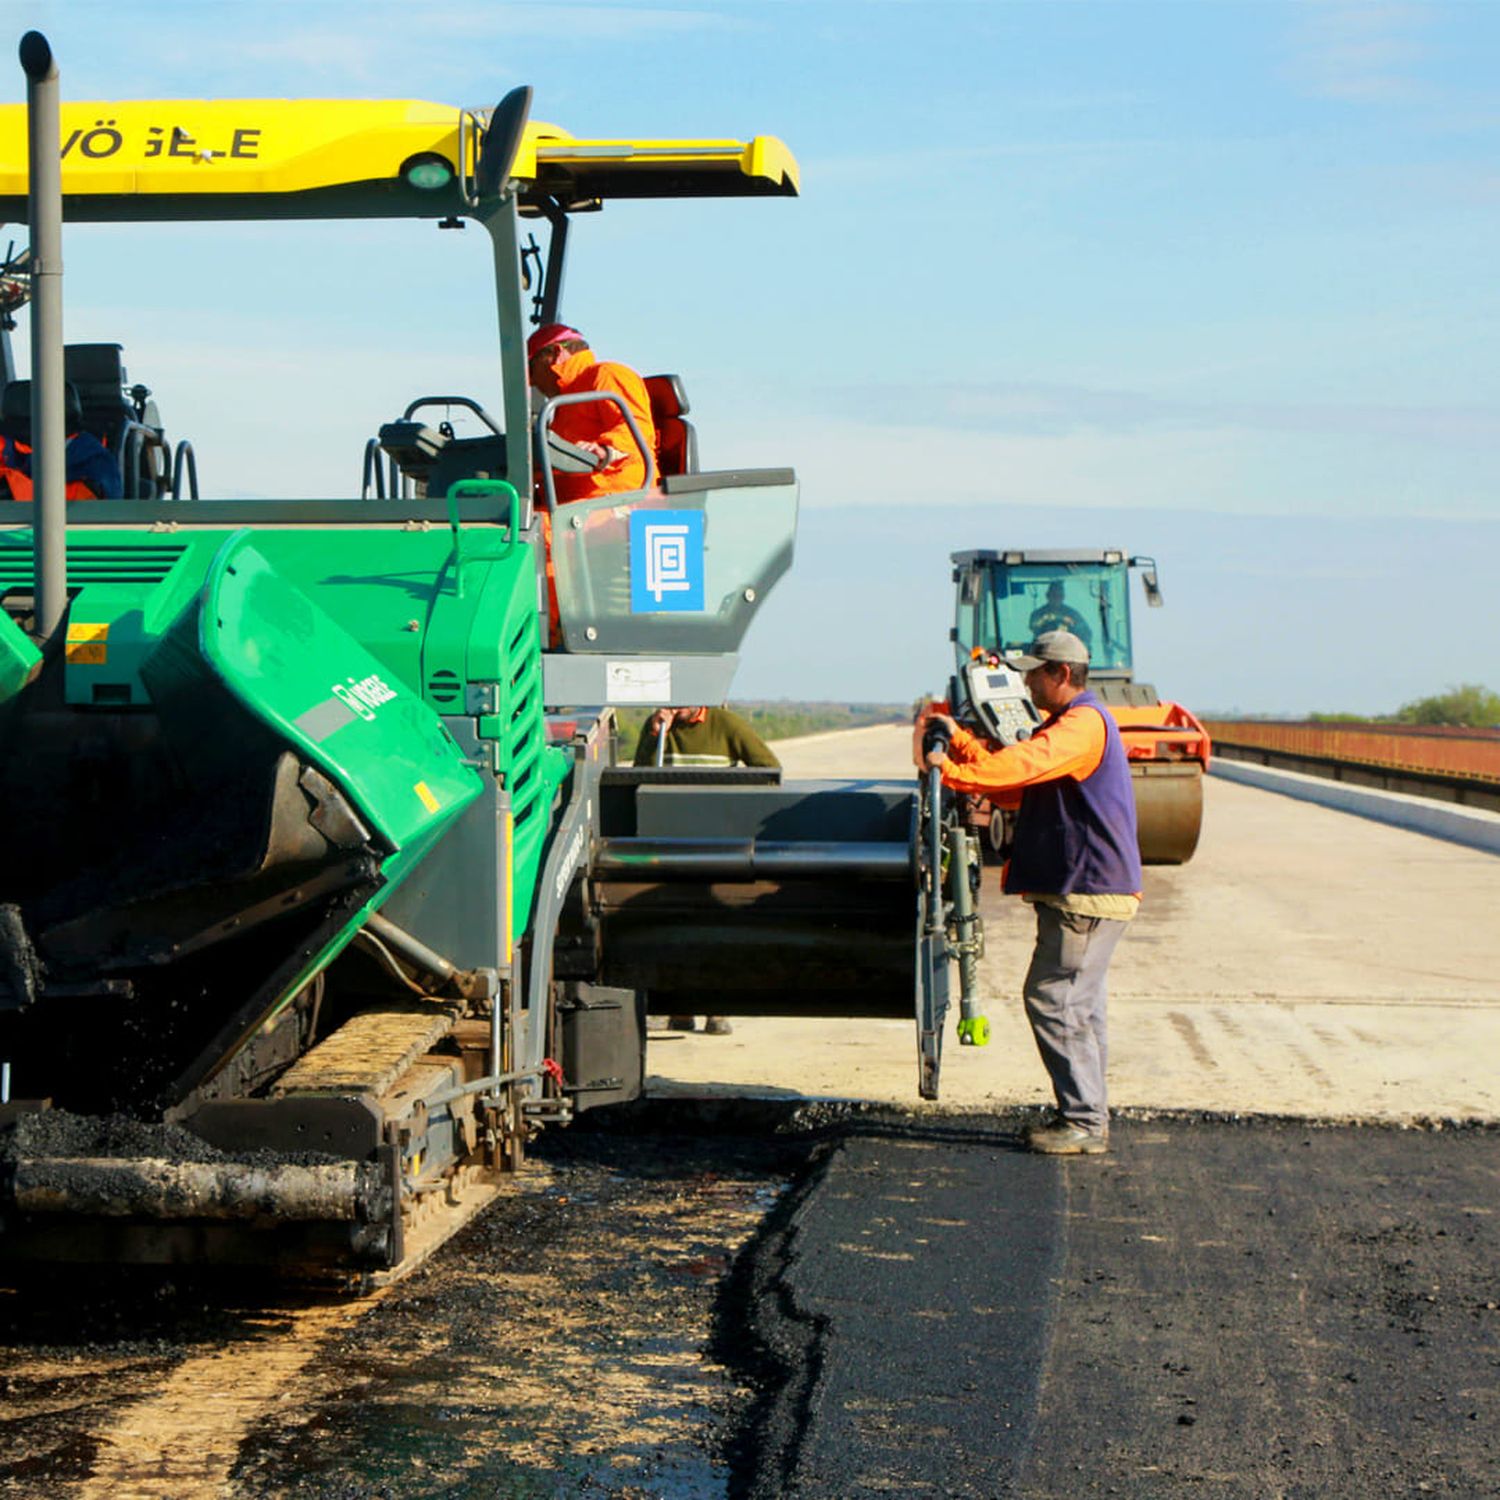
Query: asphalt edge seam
column 772, row 1343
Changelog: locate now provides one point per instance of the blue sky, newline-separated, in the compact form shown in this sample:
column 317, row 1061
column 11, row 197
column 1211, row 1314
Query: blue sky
column 1213, row 281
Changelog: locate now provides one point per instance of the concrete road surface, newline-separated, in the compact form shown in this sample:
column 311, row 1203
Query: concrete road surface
column 1305, row 962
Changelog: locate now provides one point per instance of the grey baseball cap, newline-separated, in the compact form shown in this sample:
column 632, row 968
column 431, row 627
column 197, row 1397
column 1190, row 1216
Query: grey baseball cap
column 1052, row 645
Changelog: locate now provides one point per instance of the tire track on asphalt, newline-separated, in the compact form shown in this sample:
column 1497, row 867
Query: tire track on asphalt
column 181, row 1442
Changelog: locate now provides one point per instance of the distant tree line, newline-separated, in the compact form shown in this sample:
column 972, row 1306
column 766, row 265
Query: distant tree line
column 776, row 719
column 1468, row 705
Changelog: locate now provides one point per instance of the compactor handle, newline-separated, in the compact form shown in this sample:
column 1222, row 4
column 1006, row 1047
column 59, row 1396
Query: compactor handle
column 934, row 831
column 374, row 471
column 936, row 738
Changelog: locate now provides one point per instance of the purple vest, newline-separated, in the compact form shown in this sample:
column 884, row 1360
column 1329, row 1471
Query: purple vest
column 1079, row 836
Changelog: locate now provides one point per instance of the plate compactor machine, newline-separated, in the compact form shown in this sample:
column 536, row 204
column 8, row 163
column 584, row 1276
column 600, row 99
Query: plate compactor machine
column 323, row 891
column 1004, row 600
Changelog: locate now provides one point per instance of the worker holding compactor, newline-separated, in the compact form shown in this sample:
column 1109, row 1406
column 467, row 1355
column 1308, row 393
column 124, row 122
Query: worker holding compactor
column 701, row 736
column 1075, row 858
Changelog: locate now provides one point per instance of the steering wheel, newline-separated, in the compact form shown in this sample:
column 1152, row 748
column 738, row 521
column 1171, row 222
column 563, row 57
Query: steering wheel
column 463, row 401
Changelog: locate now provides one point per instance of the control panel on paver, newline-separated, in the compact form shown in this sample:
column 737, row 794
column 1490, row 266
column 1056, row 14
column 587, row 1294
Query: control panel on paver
column 1001, row 701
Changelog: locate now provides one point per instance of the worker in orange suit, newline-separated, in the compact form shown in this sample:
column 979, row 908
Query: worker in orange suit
column 562, row 364
column 92, row 473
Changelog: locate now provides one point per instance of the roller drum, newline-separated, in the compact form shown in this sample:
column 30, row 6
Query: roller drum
column 1168, row 809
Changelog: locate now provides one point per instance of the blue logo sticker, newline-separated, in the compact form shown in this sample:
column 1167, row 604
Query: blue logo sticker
column 666, row 561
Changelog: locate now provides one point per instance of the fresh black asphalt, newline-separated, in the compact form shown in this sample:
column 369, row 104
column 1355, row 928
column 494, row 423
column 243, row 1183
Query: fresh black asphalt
column 730, row 1298
column 1268, row 1310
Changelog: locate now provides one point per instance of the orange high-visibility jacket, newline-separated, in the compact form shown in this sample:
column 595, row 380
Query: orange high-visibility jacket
column 1072, row 745
column 19, row 482
column 601, row 422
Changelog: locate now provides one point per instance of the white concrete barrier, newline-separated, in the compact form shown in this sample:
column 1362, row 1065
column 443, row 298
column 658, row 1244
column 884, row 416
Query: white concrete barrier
column 1442, row 820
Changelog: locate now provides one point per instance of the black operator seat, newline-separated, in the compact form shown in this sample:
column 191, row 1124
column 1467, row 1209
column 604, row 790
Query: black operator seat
column 676, row 441
column 110, row 415
column 15, row 410
column 99, row 375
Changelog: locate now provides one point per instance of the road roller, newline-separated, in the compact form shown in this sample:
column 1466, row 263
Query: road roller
column 323, row 890
column 1003, row 601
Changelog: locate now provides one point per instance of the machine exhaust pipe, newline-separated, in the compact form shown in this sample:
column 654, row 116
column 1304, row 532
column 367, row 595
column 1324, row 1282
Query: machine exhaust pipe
column 49, row 459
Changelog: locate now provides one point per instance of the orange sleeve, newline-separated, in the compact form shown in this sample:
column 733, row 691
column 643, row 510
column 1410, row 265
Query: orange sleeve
column 1073, row 746
column 965, row 750
column 966, row 746
column 614, row 431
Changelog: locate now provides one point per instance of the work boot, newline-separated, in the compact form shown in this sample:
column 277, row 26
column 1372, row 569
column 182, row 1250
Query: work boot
column 717, row 1026
column 681, row 1023
column 1066, row 1139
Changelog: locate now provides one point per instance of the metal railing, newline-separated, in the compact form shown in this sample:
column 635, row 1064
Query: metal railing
column 376, row 467
column 185, row 465
column 543, row 427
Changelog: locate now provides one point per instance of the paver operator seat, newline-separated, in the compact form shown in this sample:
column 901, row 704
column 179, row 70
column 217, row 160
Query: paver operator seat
column 676, row 439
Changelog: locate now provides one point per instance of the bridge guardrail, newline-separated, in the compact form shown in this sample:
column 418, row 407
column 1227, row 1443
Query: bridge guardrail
column 1414, row 751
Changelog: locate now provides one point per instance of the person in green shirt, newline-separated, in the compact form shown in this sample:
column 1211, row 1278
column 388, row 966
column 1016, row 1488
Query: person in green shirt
column 701, row 736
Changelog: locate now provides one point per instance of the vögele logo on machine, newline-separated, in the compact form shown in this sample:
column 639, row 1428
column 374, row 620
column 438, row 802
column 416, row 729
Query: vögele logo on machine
column 365, row 695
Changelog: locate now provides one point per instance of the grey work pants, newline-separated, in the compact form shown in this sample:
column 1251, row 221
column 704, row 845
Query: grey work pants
column 1065, row 997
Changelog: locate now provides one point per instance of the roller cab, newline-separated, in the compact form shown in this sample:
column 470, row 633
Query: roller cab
column 1004, row 600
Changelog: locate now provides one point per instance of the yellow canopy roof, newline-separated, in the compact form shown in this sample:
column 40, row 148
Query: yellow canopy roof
column 247, row 158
